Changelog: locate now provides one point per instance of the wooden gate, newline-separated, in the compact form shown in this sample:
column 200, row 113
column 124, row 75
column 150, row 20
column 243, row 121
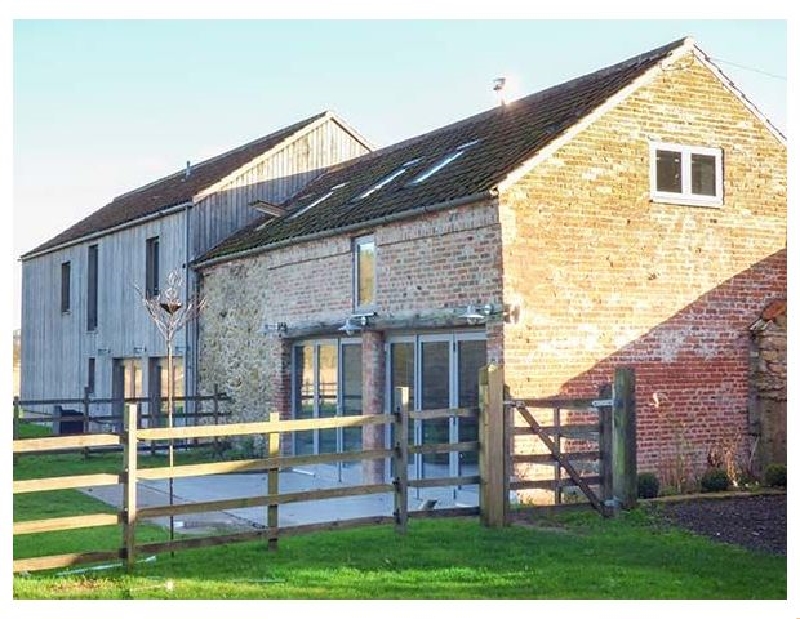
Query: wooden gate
column 574, row 450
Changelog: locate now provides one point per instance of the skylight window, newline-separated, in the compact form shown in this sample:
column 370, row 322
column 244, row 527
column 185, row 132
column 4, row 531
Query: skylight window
column 386, row 180
column 443, row 162
column 319, row 200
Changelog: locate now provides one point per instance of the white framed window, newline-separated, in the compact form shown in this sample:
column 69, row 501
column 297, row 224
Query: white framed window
column 686, row 174
column 364, row 272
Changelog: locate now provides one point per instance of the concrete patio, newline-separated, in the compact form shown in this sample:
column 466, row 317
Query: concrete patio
column 152, row 493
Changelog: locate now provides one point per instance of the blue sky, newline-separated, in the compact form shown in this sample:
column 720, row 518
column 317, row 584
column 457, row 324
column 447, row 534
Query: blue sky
column 101, row 107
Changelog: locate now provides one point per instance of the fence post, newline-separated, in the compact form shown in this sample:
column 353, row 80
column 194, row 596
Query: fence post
column 492, row 447
column 86, row 418
column 508, row 470
column 624, row 437
column 273, row 452
column 401, row 459
column 129, row 498
column 606, row 451
column 557, row 465
column 216, row 419
column 16, row 423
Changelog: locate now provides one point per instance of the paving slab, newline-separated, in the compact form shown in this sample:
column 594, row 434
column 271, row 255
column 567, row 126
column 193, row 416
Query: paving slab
column 153, row 493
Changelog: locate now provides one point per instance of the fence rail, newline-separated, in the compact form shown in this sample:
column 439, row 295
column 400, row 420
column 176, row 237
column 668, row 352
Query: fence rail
column 84, row 420
column 497, row 461
column 131, row 513
column 605, row 449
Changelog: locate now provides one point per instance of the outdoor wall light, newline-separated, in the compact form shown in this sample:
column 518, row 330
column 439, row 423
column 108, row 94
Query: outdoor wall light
column 473, row 316
column 478, row 315
column 354, row 324
column 281, row 328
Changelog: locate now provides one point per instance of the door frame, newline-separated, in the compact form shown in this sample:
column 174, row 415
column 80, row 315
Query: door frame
column 315, row 343
column 417, row 339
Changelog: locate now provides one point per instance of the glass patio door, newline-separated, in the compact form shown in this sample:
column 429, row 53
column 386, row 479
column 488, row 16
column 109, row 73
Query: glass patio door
column 440, row 371
column 327, row 383
column 435, row 393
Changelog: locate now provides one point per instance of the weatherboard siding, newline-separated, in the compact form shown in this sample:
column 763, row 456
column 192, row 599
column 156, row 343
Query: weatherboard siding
column 56, row 346
column 273, row 179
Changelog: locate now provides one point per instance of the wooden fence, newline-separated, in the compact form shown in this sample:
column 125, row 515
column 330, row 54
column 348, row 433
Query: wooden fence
column 149, row 416
column 599, row 432
column 496, row 463
column 131, row 514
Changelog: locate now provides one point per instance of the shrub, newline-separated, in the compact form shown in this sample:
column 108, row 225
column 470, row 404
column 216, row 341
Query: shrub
column 715, row 480
column 647, row 484
column 775, row 475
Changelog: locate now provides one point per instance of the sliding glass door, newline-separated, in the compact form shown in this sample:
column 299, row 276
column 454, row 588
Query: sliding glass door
column 440, row 371
column 327, row 383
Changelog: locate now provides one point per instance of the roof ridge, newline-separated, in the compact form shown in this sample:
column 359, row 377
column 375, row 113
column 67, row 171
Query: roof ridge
column 570, row 83
column 288, row 129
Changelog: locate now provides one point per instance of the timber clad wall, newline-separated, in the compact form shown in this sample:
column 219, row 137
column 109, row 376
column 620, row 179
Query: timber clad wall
column 606, row 277
column 424, row 266
column 274, row 179
column 56, row 346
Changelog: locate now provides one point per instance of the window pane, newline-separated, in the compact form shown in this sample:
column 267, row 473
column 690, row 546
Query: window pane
column 351, row 394
column 668, row 171
column 402, row 363
column 65, row 287
column 328, row 394
column 366, row 274
column 471, row 358
column 435, row 372
column 304, row 397
column 402, row 375
column 704, row 175
column 91, row 312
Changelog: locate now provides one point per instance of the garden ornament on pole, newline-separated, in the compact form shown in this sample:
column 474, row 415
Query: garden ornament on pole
column 170, row 316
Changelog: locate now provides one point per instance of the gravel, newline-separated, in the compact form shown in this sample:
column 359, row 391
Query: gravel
column 757, row 522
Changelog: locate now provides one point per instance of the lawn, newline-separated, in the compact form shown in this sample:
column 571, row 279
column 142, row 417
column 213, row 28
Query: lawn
column 575, row 555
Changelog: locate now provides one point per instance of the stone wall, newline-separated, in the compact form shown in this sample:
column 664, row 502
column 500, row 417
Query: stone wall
column 768, row 384
column 425, row 267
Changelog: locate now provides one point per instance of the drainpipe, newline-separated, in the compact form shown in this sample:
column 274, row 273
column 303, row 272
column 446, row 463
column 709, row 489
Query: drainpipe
column 188, row 385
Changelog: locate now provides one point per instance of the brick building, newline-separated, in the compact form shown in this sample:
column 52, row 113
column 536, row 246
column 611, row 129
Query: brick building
column 634, row 216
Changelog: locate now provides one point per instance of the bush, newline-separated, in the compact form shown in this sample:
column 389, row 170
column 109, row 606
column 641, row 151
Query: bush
column 715, row 480
column 647, row 484
column 775, row 475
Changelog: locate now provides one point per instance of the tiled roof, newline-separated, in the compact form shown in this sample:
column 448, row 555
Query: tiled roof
column 506, row 137
column 171, row 190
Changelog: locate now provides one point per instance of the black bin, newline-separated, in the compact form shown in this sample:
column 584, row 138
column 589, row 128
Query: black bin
column 70, row 422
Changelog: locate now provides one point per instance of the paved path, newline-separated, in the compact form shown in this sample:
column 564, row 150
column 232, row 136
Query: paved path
column 153, row 493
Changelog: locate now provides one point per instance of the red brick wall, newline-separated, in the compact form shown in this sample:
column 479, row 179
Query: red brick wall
column 425, row 269
column 605, row 277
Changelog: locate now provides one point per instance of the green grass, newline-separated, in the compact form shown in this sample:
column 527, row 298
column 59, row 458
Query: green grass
column 585, row 558
column 576, row 555
column 32, row 430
